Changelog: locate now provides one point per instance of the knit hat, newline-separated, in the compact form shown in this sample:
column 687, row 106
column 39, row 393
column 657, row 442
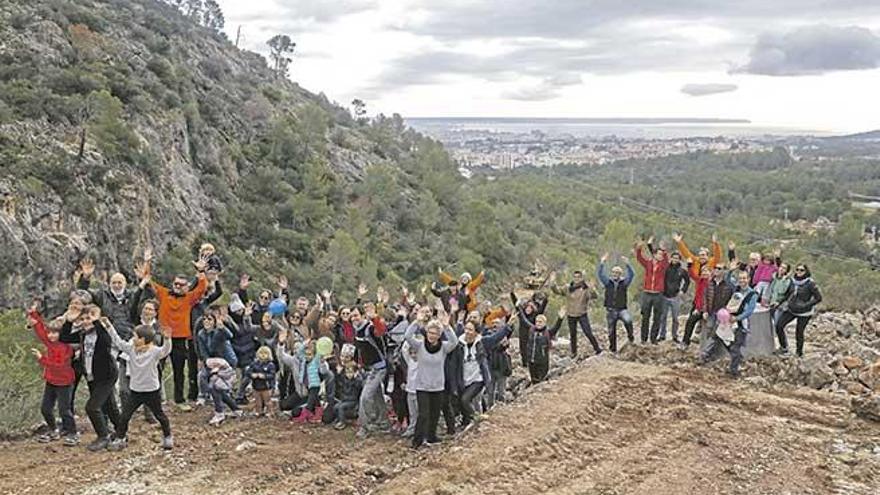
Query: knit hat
column 466, row 277
column 235, row 304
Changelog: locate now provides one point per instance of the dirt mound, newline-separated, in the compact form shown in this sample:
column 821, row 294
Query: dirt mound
column 606, row 427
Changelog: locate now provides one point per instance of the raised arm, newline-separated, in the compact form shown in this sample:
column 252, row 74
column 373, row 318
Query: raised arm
column 477, row 281
column 410, row 336
column 601, row 275
column 120, row 344
column 685, row 251
column 451, row 341
column 39, row 326
column 630, row 274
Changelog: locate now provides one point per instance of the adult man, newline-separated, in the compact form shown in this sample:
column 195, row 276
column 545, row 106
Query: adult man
column 175, row 310
column 370, row 343
column 717, row 294
column 577, row 297
column 741, row 304
column 616, row 288
column 675, row 285
column 652, row 290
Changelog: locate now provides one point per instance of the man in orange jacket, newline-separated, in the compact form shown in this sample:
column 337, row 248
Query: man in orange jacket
column 175, row 309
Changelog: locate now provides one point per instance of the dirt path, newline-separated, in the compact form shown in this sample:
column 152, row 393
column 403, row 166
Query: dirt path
column 608, row 427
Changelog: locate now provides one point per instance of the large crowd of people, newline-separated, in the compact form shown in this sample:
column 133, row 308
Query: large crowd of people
column 383, row 365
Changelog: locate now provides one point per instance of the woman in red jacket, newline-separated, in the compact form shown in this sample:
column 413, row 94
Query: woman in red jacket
column 59, row 376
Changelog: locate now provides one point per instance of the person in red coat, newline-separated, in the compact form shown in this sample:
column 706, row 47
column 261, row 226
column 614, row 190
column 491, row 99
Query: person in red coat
column 652, row 291
column 59, row 376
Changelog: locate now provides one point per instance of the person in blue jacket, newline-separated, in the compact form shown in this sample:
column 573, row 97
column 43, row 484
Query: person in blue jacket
column 616, row 288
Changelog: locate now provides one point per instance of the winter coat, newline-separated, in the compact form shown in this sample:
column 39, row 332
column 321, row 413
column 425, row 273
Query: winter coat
column 696, row 266
column 348, row 389
column 216, row 344
column 311, row 370
column 474, row 357
column 676, row 281
column 244, row 343
column 222, row 375
column 265, row 368
column 496, row 350
column 370, row 343
column 540, row 341
column 655, row 272
column 577, row 298
column 57, row 368
column 717, row 295
column 802, row 297
column 120, row 310
column 775, row 294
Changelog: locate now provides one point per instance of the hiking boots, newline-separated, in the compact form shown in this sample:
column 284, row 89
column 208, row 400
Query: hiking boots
column 99, row 444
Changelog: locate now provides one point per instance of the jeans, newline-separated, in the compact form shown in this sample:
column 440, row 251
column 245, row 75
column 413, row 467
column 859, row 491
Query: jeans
column 584, row 321
column 613, row 316
column 62, row 395
column 800, row 330
column 735, row 349
column 412, row 403
column 371, row 410
column 429, row 405
column 153, row 402
column 183, row 354
column 243, row 384
column 101, row 406
column 652, row 313
column 671, row 307
column 496, row 389
column 469, row 397
column 222, row 397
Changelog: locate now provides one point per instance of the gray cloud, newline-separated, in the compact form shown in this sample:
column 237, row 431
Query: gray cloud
column 814, row 50
column 699, row 89
column 547, row 89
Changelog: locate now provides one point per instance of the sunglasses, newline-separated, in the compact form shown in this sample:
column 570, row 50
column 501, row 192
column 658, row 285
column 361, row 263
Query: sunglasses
column 800, row 269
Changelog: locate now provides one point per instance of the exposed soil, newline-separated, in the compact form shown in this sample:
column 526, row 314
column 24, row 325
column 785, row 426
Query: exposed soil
column 607, row 426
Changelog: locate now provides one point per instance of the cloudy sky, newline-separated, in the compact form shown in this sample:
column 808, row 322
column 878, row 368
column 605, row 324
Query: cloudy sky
column 812, row 64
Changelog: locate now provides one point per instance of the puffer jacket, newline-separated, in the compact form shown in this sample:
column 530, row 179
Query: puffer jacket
column 802, row 297
column 57, row 369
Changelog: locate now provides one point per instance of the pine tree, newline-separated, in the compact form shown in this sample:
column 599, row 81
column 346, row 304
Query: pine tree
column 280, row 45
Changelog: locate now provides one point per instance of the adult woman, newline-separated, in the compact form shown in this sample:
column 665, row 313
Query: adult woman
column 430, row 380
column 800, row 299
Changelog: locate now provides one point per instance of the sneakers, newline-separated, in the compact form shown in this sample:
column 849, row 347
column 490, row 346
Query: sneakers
column 237, row 413
column 71, row 440
column 216, row 419
column 783, row 353
column 99, row 444
column 362, row 433
column 167, row 443
column 339, row 425
column 200, row 402
column 432, row 442
column 184, row 407
column 118, row 444
column 49, row 437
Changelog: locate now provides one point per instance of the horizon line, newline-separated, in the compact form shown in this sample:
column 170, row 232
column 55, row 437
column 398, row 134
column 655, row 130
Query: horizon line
column 624, row 120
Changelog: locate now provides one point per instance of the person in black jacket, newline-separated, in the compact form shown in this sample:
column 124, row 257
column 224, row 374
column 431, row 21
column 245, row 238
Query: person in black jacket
column 676, row 284
column 800, row 303
column 99, row 369
column 526, row 313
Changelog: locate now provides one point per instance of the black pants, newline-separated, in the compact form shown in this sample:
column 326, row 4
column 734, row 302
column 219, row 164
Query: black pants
column 800, row 330
column 524, row 344
column 735, row 350
column 652, row 313
column 77, row 376
column 538, row 371
column 450, row 405
column 101, row 406
column 584, row 320
column 183, row 353
column 430, row 404
column 693, row 320
column 467, row 402
column 153, row 402
column 313, row 400
column 62, row 395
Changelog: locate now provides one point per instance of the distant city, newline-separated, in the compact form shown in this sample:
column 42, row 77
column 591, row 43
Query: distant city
column 509, row 143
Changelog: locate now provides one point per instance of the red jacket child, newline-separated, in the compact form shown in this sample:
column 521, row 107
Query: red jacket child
column 57, row 369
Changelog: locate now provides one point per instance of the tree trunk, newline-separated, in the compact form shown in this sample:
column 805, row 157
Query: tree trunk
column 82, row 144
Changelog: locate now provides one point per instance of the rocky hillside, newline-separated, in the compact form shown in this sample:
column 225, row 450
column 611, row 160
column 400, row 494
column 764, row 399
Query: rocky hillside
column 124, row 125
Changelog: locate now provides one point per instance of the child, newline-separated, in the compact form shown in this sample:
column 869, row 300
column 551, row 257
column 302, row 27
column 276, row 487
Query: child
column 412, row 365
column 313, row 367
column 143, row 367
column 261, row 374
column 99, row 368
column 59, row 376
column 349, row 383
column 220, row 379
column 209, row 254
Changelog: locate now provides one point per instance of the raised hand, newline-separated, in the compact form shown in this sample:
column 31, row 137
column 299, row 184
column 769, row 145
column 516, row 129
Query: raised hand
column 381, row 295
column 624, row 260
column 87, row 267
column 731, row 245
column 318, row 301
column 327, row 295
column 200, row 264
column 142, row 269
column 714, row 237
column 105, row 322
column 249, row 309
column 677, row 237
column 362, row 290
column 651, row 240
column 411, row 299
column 282, row 282
column 604, row 258
column 561, row 313
column 166, row 332
column 37, row 353
column 404, row 291
column 423, row 290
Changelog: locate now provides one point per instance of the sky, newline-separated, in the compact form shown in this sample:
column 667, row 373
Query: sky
column 809, row 64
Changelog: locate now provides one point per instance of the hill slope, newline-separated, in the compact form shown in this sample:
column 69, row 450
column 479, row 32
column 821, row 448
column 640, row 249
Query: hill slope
column 125, row 125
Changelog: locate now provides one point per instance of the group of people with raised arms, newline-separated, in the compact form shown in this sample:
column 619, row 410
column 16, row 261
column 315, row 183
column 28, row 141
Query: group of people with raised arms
column 386, row 366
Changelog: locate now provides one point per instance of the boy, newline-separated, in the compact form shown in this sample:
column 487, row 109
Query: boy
column 143, row 367
column 59, row 376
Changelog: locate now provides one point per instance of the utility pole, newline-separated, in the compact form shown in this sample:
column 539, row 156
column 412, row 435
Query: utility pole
column 237, row 36
column 632, row 176
column 786, row 214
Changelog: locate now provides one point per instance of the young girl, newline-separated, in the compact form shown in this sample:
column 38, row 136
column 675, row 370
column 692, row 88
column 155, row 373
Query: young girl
column 349, row 383
column 313, row 367
column 59, row 376
column 220, row 379
column 143, row 368
column 261, row 373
